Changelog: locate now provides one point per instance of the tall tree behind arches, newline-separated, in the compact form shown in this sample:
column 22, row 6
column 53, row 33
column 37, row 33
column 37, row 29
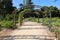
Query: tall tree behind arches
column 6, row 6
column 29, row 4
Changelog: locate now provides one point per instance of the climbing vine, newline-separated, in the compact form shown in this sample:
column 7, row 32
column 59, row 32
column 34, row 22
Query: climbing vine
column 36, row 12
column 21, row 15
column 23, row 12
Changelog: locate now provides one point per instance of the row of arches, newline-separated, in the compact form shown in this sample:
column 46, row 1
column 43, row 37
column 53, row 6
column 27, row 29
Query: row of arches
column 22, row 13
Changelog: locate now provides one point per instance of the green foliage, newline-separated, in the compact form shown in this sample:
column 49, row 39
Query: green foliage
column 28, row 4
column 55, row 21
column 20, row 19
column 6, row 24
column 59, row 37
column 9, row 17
column 32, row 19
column 1, row 18
column 55, row 25
column 6, row 7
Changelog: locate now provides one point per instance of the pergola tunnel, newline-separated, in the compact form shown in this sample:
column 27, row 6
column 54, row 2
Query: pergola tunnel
column 22, row 13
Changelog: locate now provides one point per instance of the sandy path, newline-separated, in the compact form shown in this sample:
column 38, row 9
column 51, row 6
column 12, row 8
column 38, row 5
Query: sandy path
column 29, row 30
column 33, row 28
column 5, row 32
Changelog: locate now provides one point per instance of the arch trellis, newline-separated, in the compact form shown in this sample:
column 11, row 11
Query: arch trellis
column 25, row 11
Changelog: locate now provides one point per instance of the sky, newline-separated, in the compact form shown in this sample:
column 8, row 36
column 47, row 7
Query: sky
column 39, row 2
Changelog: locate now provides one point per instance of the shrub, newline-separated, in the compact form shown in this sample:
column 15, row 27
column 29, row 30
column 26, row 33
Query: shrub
column 0, row 27
column 59, row 37
column 9, row 17
column 6, row 24
column 33, row 19
column 1, row 18
column 46, row 21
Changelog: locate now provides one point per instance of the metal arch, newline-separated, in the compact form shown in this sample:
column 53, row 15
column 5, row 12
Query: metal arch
column 37, row 6
column 24, row 3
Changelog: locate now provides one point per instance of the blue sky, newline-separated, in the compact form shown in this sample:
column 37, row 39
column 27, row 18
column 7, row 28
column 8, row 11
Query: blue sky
column 39, row 2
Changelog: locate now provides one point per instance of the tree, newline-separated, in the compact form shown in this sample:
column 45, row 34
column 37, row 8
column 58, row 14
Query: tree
column 6, row 6
column 21, row 6
column 54, row 11
column 1, row 7
column 59, row 13
column 29, row 4
column 45, row 11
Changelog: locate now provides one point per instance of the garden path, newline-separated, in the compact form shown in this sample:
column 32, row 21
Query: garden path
column 30, row 30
